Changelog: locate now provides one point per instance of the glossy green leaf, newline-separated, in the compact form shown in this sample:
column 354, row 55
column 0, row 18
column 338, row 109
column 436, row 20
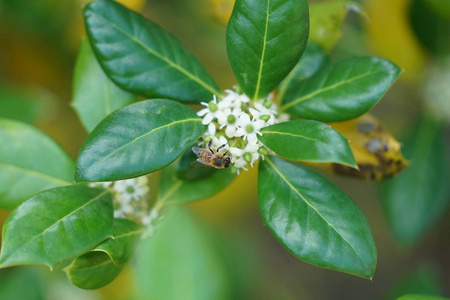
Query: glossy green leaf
column 313, row 59
column 120, row 247
column 313, row 219
column 421, row 297
column 142, row 58
column 414, row 200
column 30, row 162
column 181, row 261
column 326, row 21
column 341, row 91
column 92, row 270
column 265, row 40
column 138, row 139
column 94, row 95
column 56, row 225
column 175, row 190
column 308, row 140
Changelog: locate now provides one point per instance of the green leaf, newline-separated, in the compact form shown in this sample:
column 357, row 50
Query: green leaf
column 94, row 95
column 313, row 219
column 311, row 62
column 14, row 281
column 414, row 200
column 440, row 7
column 142, row 58
column 341, row 91
column 422, row 280
column 265, row 40
column 181, row 261
column 431, row 25
column 24, row 105
column 421, row 297
column 56, row 225
column 120, row 247
column 138, row 139
column 308, row 140
column 175, row 190
column 30, row 162
column 92, row 270
column 327, row 18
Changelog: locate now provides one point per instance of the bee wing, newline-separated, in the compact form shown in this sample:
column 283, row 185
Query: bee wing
column 197, row 150
column 198, row 163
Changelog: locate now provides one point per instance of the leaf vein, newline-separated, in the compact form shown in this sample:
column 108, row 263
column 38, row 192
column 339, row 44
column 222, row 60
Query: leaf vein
column 322, row 90
column 34, row 173
column 162, row 58
column 312, row 207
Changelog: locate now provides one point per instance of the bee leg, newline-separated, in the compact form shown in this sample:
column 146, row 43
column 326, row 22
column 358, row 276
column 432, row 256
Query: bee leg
column 220, row 147
column 209, row 146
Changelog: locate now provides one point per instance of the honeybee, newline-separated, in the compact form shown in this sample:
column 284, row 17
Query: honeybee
column 211, row 158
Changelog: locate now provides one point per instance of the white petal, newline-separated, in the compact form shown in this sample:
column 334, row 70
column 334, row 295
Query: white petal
column 207, row 119
column 223, row 140
column 211, row 129
column 203, row 112
column 240, row 132
column 252, row 139
column 244, row 119
column 119, row 214
column 236, row 152
column 258, row 124
column 254, row 112
column 221, row 118
column 230, row 131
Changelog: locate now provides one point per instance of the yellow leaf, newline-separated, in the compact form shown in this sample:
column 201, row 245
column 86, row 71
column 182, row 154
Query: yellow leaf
column 326, row 20
column 221, row 10
column 377, row 153
column 392, row 37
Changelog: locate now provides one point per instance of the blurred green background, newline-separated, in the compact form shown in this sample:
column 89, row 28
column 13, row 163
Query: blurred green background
column 39, row 40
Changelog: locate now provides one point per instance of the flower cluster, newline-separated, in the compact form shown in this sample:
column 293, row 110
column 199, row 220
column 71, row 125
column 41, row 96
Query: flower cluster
column 235, row 121
column 131, row 200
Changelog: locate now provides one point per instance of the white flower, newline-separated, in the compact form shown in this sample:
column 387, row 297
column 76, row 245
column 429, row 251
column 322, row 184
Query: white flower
column 122, row 208
column 104, row 185
column 230, row 121
column 218, row 143
column 150, row 217
column 211, row 111
column 248, row 155
column 248, row 128
column 283, row 118
column 233, row 100
column 132, row 189
column 149, row 220
column 264, row 110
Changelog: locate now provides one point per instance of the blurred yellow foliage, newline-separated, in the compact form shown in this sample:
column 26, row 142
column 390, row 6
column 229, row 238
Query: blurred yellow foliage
column 391, row 35
column 221, row 9
column 326, row 20
column 377, row 153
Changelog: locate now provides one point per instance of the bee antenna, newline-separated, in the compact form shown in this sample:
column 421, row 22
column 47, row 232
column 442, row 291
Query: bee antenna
column 220, row 147
column 209, row 146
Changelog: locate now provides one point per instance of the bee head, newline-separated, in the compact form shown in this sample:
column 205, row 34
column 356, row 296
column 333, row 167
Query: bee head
column 227, row 162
